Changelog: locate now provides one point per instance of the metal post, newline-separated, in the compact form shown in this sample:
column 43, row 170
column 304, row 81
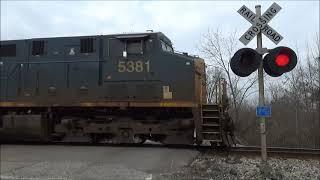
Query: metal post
column 319, row 89
column 261, row 95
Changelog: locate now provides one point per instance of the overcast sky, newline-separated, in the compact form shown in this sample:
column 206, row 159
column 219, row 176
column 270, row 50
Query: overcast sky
column 182, row 22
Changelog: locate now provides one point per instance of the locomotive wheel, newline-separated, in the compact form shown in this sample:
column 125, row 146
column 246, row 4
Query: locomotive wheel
column 94, row 138
column 57, row 136
column 139, row 139
column 213, row 144
column 198, row 143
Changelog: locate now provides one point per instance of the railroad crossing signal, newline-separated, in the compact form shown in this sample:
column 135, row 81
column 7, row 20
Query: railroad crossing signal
column 278, row 61
column 259, row 24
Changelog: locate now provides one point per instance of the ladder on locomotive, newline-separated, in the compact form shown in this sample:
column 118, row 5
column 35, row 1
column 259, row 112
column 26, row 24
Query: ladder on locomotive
column 211, row 123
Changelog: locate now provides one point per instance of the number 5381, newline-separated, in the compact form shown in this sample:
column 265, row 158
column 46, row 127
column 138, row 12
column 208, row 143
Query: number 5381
column 133, row 66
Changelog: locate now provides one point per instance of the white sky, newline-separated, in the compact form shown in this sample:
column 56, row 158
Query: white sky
column 183, row 22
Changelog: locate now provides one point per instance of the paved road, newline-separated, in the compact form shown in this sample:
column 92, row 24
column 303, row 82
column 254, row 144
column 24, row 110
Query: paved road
column 89, row 162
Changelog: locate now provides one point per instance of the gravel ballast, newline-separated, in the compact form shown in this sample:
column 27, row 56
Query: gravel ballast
column 211, row 167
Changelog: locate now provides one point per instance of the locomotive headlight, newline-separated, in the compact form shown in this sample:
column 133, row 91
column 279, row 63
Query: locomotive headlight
column 124, row 54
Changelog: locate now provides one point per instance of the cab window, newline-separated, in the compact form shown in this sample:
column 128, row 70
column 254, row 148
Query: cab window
column 166, row 47
column 134, row 47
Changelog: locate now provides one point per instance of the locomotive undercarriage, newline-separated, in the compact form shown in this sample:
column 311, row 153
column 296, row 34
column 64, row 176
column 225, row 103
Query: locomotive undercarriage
column 111, row 125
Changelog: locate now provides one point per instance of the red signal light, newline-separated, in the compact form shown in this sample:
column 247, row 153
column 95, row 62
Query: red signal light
column 279, row 60
column 282, row 60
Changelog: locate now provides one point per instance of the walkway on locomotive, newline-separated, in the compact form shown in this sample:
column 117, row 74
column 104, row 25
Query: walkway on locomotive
column 96, row 71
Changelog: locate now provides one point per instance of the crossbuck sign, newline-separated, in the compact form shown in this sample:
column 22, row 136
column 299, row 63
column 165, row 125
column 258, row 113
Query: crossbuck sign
column 260, row 24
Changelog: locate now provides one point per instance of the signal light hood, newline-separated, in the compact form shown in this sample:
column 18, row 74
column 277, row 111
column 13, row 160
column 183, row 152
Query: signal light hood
column 245, row 61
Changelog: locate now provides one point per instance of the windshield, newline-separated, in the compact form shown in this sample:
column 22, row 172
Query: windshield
column 166, row 47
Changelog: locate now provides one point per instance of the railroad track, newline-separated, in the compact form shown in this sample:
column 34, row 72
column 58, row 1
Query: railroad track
column 279, row 151
column 238, row 149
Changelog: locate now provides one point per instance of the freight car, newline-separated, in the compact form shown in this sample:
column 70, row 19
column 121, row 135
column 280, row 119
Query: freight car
column 120, row 88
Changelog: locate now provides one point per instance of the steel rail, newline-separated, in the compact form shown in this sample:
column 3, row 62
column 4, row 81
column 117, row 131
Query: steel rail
column 234, row 149
column 277, row 150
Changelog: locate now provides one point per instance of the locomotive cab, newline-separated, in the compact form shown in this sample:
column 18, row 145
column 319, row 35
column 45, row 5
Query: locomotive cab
column 144, row 67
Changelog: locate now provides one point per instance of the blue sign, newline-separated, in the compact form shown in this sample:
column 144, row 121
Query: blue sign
column 263, row 111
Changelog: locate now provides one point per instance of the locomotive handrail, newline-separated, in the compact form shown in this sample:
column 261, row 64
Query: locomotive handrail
column 184, row 53
column 45, row 62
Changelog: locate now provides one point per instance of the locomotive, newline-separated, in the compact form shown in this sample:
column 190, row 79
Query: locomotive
column 120, row 88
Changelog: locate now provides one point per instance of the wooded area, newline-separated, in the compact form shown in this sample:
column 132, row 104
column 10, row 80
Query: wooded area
column 294, row 96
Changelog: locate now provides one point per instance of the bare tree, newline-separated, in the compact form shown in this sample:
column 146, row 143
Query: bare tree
column 298, row 99
column 213, row 76
column 218, row 49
